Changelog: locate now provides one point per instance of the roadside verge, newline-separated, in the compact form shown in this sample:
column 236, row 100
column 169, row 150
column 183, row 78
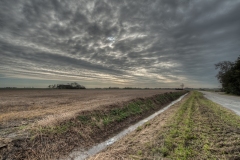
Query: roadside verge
column 196, row 128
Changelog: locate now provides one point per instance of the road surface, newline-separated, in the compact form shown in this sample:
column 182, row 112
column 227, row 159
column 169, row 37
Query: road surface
column 227, row 101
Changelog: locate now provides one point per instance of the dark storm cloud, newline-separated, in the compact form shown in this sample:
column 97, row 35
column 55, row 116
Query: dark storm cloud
column 143, row 42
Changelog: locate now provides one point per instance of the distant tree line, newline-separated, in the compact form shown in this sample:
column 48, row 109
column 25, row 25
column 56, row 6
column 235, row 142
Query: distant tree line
column 229, row 76
column 73, row 85
column 113, row 87
column 131, row 88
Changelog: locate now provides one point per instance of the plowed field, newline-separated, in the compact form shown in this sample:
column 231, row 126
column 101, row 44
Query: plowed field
column 24, row 106
column 48, row 124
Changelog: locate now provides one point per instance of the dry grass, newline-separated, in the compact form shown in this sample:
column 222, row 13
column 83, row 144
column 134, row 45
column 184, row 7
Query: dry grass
column 57, row 136
column 28, row 105
column 198, row 129
column 132, row 146
column 53, row 120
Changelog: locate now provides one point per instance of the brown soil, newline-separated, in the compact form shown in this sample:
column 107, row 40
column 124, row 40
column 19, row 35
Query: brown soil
column 48, row 145
column 23, row 107
column 132, row 144
column 16, row 104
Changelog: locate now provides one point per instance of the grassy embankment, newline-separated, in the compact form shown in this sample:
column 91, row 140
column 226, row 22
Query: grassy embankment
column 200, row 129
column 84, row 130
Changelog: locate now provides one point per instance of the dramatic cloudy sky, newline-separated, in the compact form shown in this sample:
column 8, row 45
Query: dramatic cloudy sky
column 102, row 43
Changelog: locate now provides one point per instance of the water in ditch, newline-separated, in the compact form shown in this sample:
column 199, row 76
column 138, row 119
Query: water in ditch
column 81, row 155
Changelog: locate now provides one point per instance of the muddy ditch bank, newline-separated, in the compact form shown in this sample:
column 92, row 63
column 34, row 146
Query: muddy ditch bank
column 83, row 131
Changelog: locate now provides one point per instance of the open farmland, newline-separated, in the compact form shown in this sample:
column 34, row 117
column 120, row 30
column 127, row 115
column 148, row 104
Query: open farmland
column 52, row 123
column 26, row 105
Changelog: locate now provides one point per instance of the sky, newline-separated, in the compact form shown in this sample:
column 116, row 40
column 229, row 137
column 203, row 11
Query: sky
column 118, row 43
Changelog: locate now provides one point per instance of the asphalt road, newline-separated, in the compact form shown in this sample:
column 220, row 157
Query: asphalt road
column 227, row 101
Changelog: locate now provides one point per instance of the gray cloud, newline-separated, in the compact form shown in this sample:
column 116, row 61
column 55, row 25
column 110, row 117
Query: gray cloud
column 128, row 43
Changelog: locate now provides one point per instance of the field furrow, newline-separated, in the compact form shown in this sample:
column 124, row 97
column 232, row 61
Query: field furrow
column 45, row 140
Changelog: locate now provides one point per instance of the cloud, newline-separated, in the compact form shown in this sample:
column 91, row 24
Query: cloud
column 128, row 43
